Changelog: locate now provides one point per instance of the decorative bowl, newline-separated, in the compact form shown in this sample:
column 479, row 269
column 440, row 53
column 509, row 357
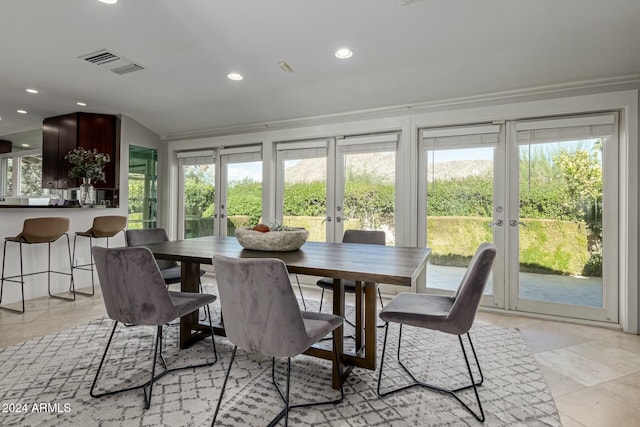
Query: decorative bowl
column 272, row 241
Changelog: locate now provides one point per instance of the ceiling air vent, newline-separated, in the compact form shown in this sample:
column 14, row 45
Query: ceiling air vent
column 114, row 62
column 130, row 68
column 101, row 57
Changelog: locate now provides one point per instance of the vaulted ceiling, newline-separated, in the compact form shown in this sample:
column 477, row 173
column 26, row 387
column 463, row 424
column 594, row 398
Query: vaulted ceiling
column 405, row 52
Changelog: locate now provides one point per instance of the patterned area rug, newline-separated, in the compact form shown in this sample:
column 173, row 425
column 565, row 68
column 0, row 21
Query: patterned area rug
column 46, row 382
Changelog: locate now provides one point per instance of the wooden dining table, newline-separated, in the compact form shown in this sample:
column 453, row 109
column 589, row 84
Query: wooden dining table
column 368, row 265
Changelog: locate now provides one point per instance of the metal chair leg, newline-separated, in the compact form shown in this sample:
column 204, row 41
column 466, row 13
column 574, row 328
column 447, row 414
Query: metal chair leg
column 84, row 266
column 10, row 279
column 154, row 377
column 417, row 383
column 285, row 397
column 224, row 385
column 70, row 274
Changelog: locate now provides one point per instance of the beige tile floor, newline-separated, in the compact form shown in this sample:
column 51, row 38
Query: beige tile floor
column 593, row 373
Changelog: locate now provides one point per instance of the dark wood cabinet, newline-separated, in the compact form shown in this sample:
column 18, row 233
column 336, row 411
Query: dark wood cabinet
column 62, row 134
column 5, row 146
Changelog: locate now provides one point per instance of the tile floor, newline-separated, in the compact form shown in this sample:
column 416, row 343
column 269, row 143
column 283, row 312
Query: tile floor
column 593, row 373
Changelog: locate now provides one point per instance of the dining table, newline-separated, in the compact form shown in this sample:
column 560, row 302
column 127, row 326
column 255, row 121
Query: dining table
column 367, row 265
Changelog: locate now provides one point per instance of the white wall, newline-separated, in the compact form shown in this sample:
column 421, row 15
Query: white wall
column 35, row 256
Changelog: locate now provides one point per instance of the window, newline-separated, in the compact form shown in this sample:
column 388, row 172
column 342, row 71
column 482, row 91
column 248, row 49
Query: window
column 21, row 173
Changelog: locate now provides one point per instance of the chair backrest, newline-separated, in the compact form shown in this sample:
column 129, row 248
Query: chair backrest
column 371, row 237
column 43, row 230
column 260, row 311
column 467, row 297
column 108, row 225
column 145, row 236
column 132, row 287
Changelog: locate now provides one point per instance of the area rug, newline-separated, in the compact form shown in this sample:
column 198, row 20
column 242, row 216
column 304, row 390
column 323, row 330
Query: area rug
column 46, row 382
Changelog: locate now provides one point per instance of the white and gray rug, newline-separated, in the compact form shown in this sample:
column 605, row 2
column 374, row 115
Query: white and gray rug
column 46, row 382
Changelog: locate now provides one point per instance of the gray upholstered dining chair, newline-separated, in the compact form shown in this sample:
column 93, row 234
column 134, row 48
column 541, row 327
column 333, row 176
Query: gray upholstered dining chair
column 449, row 314
column 171, row 272
column 261, row 315
column 369, row 237
column 135, row 293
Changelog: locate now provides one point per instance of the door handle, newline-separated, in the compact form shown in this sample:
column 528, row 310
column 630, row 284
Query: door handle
column 515, row 222
column 328, row 219
column 497, row 222
column 338, row 219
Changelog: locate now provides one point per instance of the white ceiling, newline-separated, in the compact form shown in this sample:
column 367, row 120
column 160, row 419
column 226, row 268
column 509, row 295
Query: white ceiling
column 416, row 53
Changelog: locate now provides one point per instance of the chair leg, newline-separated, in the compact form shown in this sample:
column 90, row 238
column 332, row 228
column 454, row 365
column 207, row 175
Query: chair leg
column 285, row 396
column 70, row 274
column 224, row 385
column 157, row 352
column 104, row 356
column 321, row 299
column 84, row 266
column 417, row 383
column 10, row 278
column 147, row 397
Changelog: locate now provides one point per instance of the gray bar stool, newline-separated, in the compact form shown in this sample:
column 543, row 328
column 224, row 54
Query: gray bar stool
column 103, row 227
column 34, row 231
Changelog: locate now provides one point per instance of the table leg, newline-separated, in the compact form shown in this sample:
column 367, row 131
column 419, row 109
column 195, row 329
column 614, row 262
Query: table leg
column 370, row 323
column 359, row 297
column 190, row 279
column 338, row 310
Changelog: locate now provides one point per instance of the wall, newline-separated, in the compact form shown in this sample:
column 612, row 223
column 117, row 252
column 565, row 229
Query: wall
column 35, row 256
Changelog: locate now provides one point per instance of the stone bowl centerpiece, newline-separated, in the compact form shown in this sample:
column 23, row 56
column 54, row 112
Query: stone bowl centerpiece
column 273, row 239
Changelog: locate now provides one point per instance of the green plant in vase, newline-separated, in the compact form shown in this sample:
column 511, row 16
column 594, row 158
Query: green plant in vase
column 88, row 165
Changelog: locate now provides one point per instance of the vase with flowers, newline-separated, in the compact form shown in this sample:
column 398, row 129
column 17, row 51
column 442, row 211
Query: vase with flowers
column 88, row 165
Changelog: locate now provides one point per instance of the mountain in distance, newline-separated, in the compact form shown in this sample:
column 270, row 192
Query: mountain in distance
column 383, row 165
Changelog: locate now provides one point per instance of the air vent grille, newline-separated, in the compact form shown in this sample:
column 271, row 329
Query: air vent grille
column 118, row 64
column 102, row 57
column 130, row 68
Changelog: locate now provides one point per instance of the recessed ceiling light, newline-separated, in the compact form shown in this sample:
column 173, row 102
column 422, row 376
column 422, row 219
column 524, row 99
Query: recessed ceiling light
column 82, row 104
column 108, row 1
column 25, row 145
column 21, row 111
column 235, row 76
column 343, row 53
column 32, row 91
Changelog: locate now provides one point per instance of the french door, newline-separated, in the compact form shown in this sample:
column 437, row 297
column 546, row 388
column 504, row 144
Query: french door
column 563, row 224
column 334, row 184
column 462, row 174
column 221, row 190
column 545, row 192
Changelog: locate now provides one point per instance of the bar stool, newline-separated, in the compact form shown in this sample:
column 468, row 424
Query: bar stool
column 34, row 231
column 103, row 227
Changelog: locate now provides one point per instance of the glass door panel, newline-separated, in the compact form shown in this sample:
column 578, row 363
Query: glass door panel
column 566, row 226
column 241, row 205
column 464, row 203
column 302, row 183
column 197, row 181
column 366, row 177
column 143, row 184
column 459, row 212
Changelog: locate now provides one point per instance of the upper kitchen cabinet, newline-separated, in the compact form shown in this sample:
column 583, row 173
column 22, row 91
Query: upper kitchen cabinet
column 62, row 134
